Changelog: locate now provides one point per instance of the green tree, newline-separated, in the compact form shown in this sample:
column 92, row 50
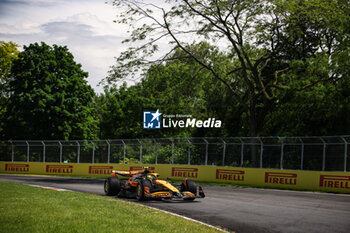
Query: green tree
column 315, row 40
column 266, row 41
column 8, row 53
column 321, row 110
column 175, row 87
column 120, row 112
column 49, row 97
column 183, row 86
column 274, row 46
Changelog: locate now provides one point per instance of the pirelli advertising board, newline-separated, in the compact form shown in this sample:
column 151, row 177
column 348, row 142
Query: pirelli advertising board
column 287, row 179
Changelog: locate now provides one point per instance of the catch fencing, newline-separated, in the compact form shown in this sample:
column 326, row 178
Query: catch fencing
column 297, row 153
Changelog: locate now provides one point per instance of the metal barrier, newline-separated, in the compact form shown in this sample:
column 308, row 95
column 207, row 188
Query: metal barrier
column 298, row 153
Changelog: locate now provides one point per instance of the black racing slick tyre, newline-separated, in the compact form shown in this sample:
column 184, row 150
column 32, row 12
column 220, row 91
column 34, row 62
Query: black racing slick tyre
column 143, row 190
column 112, row 186
column 190, row 186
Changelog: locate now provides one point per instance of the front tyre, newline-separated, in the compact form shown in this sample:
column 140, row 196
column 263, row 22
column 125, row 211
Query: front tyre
column 139, row 192
column 112, row 186
column 143, row 190
column 190, row 186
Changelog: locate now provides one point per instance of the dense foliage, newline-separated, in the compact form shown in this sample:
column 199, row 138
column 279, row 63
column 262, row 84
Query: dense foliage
column 264, row 52
column 263, row 67
column 48, row 96
column 8, row 53
column 183, row 87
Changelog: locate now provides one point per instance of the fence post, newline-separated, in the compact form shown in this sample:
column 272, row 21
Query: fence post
column 189, row 152
column 156, row 150
column 324, row 154
column 44, row 150
column 223, row 152
column 261, row 152
column 93, row 152
column 78, row 152
column 59, row 142
column 282, row 153
column 242, row 152
column 172, row 151
column 12, row 152
column 345, row 152
column 302, row 154
column 124, row 151
column 27, row 151
column 108, row 151
column 206, row 151
column 140, row 150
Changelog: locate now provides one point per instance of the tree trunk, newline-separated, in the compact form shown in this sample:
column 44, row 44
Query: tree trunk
column 254, row 133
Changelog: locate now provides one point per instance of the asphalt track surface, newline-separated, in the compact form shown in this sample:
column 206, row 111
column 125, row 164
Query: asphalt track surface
column 237, row 209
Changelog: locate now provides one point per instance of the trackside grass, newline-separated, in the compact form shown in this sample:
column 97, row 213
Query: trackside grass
column 30, row 209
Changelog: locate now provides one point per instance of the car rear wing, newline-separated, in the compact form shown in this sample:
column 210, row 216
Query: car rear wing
column 126, row 173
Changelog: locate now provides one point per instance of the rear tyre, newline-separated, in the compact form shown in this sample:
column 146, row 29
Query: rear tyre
column 112, row 186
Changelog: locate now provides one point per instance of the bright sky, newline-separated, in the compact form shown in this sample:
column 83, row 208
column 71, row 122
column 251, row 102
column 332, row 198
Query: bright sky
column 85, row 26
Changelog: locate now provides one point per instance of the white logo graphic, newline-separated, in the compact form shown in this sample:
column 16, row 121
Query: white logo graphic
column 151, row 120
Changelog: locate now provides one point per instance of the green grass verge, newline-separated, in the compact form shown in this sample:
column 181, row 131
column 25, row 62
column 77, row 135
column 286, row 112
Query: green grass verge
column 30, row 209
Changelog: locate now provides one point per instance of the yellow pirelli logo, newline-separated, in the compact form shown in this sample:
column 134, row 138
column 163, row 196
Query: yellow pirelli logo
column 16, row 167
column 234, row 175
column 61, row 169
column 137, row 168
column 100, row 170
column 331, row 181
column 184, row 172
column 281, row 178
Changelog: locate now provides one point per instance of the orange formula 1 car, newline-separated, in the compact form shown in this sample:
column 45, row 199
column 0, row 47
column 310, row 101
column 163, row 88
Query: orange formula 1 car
column 145, row 185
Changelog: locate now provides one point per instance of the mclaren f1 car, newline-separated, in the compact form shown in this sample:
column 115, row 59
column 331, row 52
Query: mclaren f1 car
column 145, row 185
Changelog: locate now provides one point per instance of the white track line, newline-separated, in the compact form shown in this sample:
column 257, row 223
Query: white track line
column 47, row 187
column 187, row 218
